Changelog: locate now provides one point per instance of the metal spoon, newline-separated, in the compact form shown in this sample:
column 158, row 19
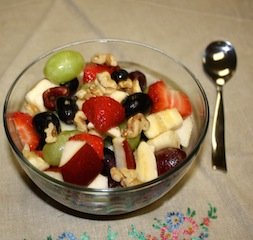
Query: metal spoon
column 219, row 62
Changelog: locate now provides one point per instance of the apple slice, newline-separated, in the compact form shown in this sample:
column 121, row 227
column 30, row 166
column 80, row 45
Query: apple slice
column 100, row 182
column 71, row 147
column 123, row 153
column 185, row 131
column 83, row 167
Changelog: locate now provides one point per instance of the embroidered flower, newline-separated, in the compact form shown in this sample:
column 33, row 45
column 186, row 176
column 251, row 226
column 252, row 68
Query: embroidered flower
column 174, row 220
column 206, row 221
column 190, row 226
column 176, row 226
column 67, row 236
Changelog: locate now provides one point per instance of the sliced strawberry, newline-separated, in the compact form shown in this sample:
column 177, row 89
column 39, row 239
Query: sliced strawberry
column 159, row 96
column 83, row 167
column 95, row 141
column 24, row 127
column 180, row 101
column 104, row 112
column 92, row 69
column 130, row 160
column 164, row 97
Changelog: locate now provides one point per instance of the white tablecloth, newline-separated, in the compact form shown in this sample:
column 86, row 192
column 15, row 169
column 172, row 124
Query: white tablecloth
column 180, row 28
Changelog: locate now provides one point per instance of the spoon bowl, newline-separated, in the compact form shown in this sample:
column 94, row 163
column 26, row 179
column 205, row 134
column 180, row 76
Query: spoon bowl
column 219, row 62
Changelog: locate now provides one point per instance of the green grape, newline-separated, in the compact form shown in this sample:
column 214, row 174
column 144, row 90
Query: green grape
column 64, row 66
column 52, row 151
column 134, row 142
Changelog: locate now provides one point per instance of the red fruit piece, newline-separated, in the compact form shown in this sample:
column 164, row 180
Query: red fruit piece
column 25, row 130
column 180, row 101
column 130, row 160
column 50, row 96
column 83, row 167
column 159, row 96
column 104, row 112
column 168, row 158
column 164, row 97
column 92, row 69
column 95, row 141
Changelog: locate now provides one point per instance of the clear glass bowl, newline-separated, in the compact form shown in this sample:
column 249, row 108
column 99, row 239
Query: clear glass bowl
column 131, row 55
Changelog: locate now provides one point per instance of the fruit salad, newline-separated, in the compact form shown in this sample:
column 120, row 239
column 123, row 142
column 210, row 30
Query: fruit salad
column 97, row 124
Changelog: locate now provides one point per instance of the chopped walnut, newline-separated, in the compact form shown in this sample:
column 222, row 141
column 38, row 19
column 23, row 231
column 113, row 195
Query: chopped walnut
column 126, row 84
column 51, row 133
column 80, row 121
column 93, row 89
column 105, row 80
column 126, row 177
column 106, row 58
column 135, row 125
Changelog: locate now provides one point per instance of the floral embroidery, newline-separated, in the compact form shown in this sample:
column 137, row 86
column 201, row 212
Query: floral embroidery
column 175, row 226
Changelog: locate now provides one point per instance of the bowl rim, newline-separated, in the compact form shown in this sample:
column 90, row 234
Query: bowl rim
column 89, row 190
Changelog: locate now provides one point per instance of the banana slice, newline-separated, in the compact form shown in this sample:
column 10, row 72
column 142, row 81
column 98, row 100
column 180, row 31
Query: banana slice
column 165, row 140
column 146, row 168
column 163, row 121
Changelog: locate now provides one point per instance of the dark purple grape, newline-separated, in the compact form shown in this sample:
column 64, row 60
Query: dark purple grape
column 168, row 158
column 66, row 109
column 137, row 75
column 108, row 161
column 136, row 103
column 72, row 85
column 41, row 122
column 119, row 75
column 50, row 96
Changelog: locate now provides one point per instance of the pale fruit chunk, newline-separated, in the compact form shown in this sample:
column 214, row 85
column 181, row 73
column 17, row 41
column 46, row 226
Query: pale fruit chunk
column 70, row 149
column 164, row 140
column 54, row 174
column 34, row 96
column 145, row 162
column 114, row 132
column 163, row 121
column 100, row 182
column 184, row 132
column 119, row 95
column 35, row 160
column 119, row 152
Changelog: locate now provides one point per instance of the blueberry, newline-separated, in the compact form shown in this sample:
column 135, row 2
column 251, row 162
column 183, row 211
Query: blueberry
column 66, row 109
column 72, row 85
column 41, row 122
column 119, row 75
column 136, row 103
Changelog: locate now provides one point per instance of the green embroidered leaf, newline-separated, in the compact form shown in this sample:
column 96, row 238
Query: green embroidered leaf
column 85, row 237
column 134, row 234
column 111, row 235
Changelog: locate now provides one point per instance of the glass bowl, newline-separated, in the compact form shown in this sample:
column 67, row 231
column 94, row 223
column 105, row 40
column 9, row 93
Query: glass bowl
column 132, row 55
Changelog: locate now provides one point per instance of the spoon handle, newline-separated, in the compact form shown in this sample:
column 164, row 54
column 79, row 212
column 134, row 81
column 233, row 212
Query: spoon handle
column 218, row 131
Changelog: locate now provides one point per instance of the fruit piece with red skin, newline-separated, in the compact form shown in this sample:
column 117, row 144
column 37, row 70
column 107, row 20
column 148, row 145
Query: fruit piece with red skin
column 159, row 96
column 164, row 97
column 25, row 130
column 130, row 161
column 168, row 158
column 51, row 94
column 180, row 101
column 104, row 112
column 92, row 69
column 95, row 141
column 83, row 167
